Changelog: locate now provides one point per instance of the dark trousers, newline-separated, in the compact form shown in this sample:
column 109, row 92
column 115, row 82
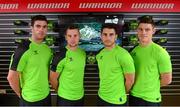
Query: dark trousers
column 135, row 101
column 64, row 102
column 44, row 102
column 101, row 102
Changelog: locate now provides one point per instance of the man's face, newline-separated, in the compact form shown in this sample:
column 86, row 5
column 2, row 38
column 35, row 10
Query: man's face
column 39, row 29
column 145, row 32
column 72, row 37
column 108, row 37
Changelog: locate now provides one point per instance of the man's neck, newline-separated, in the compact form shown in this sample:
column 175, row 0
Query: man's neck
column 72, row 48
column 36, row 41
column 145, row 44
column 110, row 47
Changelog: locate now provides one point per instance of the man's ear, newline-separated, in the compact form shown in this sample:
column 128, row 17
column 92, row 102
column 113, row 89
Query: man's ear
column 31, row 28
column 116, row 37
column 65, row 37
column 101, row 36
column 154, row 31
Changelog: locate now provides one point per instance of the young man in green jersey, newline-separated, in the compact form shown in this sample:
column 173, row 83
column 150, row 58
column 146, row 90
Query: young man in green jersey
column 29, row 67
column 67, row 70
column 152, row 65
column 116, row 69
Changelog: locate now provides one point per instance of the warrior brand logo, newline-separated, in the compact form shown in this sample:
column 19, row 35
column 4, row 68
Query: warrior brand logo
column 100, row 5
column 9, row 6
column 81, row 6
column 35, row 52
column 152, row 5
column 101, row 57
column 48, row 5
column 70, row 59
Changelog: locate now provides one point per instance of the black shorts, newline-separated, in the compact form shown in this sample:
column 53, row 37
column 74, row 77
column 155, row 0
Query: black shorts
column 101, row 102
column 44, row 102
column 135, row 101
column 65, row 102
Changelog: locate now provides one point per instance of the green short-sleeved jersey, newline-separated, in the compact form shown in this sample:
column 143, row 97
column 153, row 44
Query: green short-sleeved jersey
column 150, row 62
column 113, row 64
column 32, row 60
column 70, row 64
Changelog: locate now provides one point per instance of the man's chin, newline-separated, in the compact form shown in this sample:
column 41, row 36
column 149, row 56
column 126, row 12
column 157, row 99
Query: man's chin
column 144, row 41
column 73, row 45
column 41, row 37
column 108, row 45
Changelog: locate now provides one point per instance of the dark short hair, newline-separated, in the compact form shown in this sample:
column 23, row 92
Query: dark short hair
column 148, row 20
column 110, row 26
column 70, row 27
column 38, row 17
